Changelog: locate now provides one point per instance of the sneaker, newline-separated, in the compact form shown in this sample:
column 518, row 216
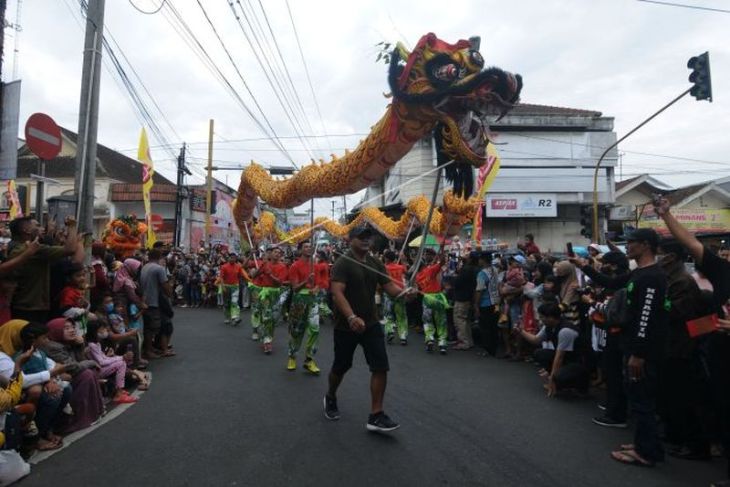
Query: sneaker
column 609, row 422
column 311, row 367
column 403, row 342
column 255, row 336
column 227, row 322
column 291, row 364
column 442, row 349
column 381, row 422
column 268, row 348
column 330, row 408
column 429, row 347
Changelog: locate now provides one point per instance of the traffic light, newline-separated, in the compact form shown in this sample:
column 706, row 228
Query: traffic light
column 700, row 76
column 586, row 221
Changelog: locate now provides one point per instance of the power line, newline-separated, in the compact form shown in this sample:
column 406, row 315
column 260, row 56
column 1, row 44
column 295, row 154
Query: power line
column 162, row 4
column 283, row 62
column 682, row 5
column 220, row 40
column 306, row 71
column 288, row 112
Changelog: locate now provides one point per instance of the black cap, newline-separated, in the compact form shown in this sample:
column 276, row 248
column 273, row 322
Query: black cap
column 615, row 257
column 647, row 235
column 360, row 231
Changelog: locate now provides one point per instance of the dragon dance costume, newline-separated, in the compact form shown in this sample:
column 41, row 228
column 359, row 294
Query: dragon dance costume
column 303, row 316
column 396, row 320
column 435, row 305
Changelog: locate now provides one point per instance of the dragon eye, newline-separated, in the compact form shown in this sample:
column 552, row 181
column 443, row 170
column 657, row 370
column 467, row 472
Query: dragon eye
column 447, row 72
column 476, row 58
column 119, row 231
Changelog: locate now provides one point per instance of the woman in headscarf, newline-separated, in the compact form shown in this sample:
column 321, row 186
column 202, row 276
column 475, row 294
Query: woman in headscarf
column 10, row 341
column 125, row 287
column 66, row 347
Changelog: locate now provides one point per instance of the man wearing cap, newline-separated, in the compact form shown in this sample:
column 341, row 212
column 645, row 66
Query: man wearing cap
column 435, row 304
column 355, row 277
column 643, row 340
column 303, row 311
column 231, row 275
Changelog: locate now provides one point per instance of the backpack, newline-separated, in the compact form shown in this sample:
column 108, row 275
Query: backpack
column 617, row 311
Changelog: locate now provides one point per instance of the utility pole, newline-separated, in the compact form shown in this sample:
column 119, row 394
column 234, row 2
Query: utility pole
column 182, row 170
column 209, row 178
column 333, row 210
column 3, row 6
column 89, row 117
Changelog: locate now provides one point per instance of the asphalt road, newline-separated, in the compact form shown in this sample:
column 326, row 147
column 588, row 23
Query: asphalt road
column 223, row 414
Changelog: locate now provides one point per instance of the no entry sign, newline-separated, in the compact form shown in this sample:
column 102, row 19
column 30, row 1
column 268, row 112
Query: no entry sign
column 43, row 136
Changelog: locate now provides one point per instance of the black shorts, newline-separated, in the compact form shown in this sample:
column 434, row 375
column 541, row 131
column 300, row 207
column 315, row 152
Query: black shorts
column 152, row 320
column 372, row 341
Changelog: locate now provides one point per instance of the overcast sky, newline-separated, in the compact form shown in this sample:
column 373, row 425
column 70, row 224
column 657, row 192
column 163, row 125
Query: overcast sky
column 625, row 58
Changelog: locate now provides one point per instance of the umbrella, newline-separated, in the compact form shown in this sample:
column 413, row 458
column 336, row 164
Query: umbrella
column 430, row 241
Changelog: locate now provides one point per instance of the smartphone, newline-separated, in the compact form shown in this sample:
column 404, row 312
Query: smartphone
column 569, row 247
column 656, row 199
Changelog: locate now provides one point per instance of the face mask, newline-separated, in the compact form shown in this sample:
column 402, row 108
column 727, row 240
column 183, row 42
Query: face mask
column 109, row 307
column 103, row 335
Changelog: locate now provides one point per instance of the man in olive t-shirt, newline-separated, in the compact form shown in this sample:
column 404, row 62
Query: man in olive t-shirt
column 32, row 298
column 355, row 277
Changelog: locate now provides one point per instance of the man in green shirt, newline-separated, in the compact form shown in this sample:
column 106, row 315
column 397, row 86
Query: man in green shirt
column 355, row 277
column 32, row 300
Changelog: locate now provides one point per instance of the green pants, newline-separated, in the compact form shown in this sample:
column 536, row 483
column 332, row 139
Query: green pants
column 255, row 309
column 303, row 318
column 269, row 309
column 230, row 302
column 324, row 309
column 434, row 318
column 395, row 317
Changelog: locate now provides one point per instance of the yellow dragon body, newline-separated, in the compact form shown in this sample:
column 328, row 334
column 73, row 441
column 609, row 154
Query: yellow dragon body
column 437, row 88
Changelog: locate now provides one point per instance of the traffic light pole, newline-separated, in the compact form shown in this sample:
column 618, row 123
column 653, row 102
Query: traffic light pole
column 596, row 235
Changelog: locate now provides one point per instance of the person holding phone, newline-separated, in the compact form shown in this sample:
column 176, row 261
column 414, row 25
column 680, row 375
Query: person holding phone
column 32, row 298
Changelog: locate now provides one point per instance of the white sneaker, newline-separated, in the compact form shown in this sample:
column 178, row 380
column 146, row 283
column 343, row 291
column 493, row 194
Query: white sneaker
column 227, row 322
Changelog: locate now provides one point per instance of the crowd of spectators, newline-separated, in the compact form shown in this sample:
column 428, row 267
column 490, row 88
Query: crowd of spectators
column 639, row 326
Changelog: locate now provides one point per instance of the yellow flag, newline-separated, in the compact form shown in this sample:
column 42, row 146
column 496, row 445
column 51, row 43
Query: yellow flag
column 485, row 177
column 15, row 210
column 148, row 170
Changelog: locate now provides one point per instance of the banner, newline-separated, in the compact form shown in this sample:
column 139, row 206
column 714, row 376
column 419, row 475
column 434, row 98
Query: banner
column 530, row 205
column 698, row 220
column 15, row 209
column 485, row 177
column 148, row 170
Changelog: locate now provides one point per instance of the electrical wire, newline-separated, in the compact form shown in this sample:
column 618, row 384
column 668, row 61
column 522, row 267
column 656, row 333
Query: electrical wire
column 186, row 33
column 162, row 4
column 682, row 5
column 273, row 81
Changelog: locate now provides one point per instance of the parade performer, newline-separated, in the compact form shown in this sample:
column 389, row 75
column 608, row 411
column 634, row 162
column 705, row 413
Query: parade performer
column 274, row 275
column 395, row 309
column 322, row 283
column 303, row 311
column 257, row 278
column 231, row 275
column 435, row 304
column 355, row 277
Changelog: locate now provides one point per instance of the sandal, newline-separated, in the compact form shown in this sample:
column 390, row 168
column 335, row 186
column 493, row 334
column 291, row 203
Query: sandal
column 630, row 457
column 169, row 353
column 45, row 445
